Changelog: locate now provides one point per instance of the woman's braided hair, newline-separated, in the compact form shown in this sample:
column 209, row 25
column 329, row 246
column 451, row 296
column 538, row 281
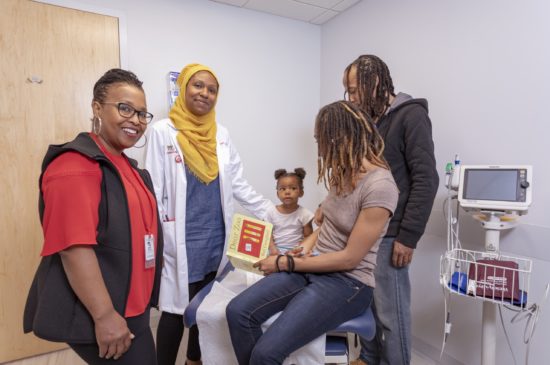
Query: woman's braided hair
column 114, row 76
column 345, row 135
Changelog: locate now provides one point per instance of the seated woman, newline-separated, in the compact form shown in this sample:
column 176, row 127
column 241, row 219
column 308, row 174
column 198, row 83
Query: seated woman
column 317, row 293
column 291, row 223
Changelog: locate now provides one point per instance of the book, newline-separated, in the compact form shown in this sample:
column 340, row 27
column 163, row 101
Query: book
column 495, row 279
column 248, row 242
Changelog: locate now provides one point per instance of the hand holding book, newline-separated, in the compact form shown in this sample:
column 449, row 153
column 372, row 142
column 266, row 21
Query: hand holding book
column 248, row 242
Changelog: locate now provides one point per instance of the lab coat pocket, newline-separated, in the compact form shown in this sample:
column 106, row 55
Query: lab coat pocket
column 169, row 231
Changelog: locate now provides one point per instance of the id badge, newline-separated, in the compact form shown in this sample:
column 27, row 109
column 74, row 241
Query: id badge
column 149, row 241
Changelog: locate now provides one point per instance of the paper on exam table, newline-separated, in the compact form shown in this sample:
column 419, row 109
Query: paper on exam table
column 214, row 332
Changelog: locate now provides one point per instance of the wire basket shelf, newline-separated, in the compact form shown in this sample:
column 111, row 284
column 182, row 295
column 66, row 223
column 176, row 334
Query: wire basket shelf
column 493, row 277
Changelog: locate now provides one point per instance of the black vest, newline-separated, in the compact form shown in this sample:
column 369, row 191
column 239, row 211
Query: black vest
column 53, row 311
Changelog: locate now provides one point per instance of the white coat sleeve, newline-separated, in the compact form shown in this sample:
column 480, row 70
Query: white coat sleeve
column 154, row 163
column 243, row 192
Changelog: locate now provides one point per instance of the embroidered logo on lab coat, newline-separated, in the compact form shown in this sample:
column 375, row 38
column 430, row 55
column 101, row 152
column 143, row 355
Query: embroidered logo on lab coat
column 170, row 149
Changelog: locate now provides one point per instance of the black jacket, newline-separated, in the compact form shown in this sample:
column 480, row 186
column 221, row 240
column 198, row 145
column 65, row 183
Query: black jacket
column 407, row 132
column 53, row 311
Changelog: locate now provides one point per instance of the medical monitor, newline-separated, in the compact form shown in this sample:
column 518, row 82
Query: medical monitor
column 495, row 188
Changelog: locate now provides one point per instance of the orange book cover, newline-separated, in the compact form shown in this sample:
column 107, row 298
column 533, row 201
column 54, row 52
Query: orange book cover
column 248, row 242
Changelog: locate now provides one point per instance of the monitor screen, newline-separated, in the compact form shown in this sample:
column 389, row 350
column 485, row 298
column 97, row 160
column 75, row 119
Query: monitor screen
column 495, row 187
column 491, row 184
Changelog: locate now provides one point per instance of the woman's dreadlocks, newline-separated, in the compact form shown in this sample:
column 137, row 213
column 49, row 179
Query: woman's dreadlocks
column 345, row 135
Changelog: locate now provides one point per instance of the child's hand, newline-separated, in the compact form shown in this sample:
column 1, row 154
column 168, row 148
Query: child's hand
column 297, row 251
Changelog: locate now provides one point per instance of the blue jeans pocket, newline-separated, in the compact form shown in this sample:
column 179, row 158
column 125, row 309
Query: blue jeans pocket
column 355, row 287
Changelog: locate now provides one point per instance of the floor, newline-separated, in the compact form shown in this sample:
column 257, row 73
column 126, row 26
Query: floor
column 68, row 357
column 419, row 359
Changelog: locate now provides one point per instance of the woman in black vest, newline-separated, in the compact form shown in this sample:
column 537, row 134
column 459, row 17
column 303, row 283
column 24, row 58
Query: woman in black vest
column 100, row 268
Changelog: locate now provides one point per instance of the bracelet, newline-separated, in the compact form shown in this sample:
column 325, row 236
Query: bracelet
column 290, row 262
column 277, row 262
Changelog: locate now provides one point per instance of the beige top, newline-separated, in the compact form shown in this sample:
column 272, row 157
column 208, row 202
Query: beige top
column 376, row 189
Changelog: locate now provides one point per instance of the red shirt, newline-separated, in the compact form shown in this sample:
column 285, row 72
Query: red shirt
column 71, row 188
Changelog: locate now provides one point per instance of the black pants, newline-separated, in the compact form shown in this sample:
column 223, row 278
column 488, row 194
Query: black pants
column 142, row 350
column 170, row 331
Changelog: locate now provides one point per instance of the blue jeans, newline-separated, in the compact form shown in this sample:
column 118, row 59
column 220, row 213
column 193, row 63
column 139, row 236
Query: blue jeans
column 392, row 310
column 311, row 305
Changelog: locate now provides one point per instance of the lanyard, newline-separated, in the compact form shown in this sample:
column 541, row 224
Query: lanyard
column 148, row 227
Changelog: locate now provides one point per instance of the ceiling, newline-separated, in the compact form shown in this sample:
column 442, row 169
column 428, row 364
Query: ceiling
column 311, row 11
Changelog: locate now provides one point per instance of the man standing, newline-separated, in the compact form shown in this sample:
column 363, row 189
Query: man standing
column 406, row 129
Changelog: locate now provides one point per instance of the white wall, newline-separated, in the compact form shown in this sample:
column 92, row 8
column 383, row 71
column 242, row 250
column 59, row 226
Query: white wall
column 484, row 67
column 268, row 68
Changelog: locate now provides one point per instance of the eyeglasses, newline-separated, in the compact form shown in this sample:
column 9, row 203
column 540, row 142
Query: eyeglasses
column 128, row 111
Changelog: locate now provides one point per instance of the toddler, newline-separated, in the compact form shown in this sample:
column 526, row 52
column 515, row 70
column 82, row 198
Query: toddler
column 291, row 222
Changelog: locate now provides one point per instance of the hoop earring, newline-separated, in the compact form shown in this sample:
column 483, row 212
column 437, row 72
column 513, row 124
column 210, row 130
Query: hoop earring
column 144, row 144
column 96, row 127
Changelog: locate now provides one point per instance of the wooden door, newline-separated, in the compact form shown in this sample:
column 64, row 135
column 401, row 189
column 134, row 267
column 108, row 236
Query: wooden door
column 50, row 59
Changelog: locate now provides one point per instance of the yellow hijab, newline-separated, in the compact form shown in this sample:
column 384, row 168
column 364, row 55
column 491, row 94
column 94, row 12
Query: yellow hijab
column 197, row 135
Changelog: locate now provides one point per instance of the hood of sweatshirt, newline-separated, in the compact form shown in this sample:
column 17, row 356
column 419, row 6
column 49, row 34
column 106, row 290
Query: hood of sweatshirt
column 402, row 99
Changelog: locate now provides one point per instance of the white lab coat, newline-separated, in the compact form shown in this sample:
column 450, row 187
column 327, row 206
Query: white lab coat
column 164, row 160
